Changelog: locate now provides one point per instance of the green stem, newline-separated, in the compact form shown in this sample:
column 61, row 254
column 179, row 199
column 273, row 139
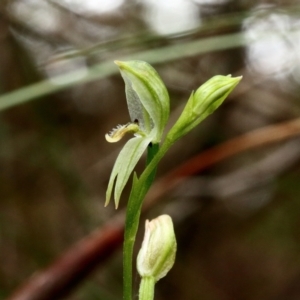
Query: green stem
column 139, row 190
column 147, row 288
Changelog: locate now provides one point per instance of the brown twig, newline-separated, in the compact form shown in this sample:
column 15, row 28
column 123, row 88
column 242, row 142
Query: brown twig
column 74, row 265
column 198, row 163
column 89, row 253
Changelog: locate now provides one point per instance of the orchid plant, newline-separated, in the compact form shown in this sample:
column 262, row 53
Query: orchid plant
column 149, row 108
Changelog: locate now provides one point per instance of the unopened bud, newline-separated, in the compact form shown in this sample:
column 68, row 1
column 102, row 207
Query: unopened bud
column 157, row 255
column 208, row 97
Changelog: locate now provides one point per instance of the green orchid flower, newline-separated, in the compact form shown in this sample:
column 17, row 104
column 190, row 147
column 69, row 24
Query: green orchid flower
column 149, row 108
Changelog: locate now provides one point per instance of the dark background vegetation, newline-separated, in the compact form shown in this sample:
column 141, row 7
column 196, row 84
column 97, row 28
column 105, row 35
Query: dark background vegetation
column 237, row 222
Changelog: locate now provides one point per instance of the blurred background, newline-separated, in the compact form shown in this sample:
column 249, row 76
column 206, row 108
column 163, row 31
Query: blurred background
column 237, row 222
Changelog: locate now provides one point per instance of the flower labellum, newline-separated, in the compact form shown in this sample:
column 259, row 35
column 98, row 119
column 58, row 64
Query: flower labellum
column 117, row 133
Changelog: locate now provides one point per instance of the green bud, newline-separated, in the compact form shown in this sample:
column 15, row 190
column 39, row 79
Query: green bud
column 208, row 97
column 147, row 97
column 157, row 254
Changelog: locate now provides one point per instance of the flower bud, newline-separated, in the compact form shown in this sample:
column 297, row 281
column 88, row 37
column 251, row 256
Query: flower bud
column 157, row 254
column 208, row 97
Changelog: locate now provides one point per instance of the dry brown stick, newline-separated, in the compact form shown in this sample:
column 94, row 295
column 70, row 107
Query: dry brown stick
column 83, row 257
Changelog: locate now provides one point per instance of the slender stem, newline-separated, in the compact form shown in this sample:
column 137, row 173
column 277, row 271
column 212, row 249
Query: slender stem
column 139, row 190
column 146, row 291
column 133, row 211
